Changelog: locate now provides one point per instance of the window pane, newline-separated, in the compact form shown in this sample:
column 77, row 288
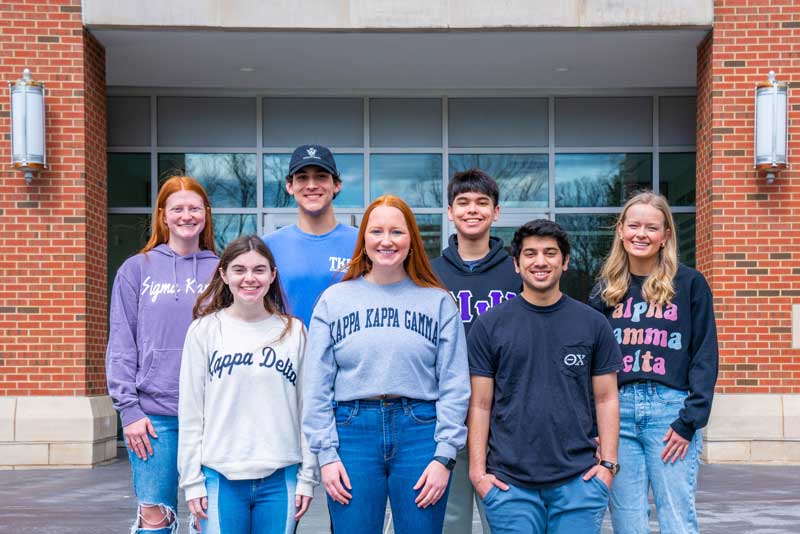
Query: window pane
column 522, row 178
column 351, row 169
column 228, row 227
column 127, row 234
column 128, row 180
column 430, row 226
column 416, row 178
column 405, row 122
column 590, row 238
column 685, row 228
column 338, row 122
column 497, row 122
column 676, row 178
column 588, row 180
column 128, row 121
column 676, row 123
column 604, row 121
column 229, row 179
column 201, row 121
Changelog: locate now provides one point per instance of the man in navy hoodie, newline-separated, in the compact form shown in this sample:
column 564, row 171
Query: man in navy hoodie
column 480, row 274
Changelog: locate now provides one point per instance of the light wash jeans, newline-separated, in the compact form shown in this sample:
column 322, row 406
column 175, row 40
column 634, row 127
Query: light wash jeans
column 646, row 411
column 575, row 507
column 155, row 481
column 259, row 506
column 385, row 446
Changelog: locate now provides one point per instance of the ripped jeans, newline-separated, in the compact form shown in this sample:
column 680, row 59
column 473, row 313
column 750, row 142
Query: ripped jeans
column 155, row 481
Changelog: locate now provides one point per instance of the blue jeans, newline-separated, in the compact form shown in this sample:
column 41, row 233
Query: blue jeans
column 155, row 481
column 385, row 446
column 260, row 506
column 646, row 410
column 577, row 506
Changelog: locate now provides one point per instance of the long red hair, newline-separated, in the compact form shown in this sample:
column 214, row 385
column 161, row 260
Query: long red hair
column 416, row 264
column 160, row 233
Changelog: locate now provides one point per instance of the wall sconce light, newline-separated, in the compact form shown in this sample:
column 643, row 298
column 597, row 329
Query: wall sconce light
column 772, row 126
column 27, row 125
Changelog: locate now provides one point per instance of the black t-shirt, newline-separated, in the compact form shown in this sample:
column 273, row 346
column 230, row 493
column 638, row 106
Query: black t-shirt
column 542, row 360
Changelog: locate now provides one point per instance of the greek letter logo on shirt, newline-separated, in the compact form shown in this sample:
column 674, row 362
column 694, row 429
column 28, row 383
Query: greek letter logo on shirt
column 575, row 360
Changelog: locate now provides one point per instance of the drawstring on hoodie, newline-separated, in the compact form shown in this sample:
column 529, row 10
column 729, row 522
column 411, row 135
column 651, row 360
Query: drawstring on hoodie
column 175, row 269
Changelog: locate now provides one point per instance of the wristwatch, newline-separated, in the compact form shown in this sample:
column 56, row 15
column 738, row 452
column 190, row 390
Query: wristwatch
column 614, row 468
column 449, row 463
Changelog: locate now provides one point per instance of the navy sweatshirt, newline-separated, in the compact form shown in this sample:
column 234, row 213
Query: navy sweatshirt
column 674, row 344
column 489, row 282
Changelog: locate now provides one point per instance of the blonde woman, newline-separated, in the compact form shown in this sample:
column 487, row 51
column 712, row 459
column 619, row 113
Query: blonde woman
column 663, row 318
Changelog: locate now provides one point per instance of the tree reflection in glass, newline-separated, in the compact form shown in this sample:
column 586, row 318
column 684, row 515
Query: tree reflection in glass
column 416, row 178
column 351, row 169
column 590, row 238
column 229, row 179
column 522, row 178
column 229, row 226
column 430, row 226
column 596, row 180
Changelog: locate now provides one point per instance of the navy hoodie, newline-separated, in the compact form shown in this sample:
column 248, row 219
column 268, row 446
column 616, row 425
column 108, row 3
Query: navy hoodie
column 492, row 280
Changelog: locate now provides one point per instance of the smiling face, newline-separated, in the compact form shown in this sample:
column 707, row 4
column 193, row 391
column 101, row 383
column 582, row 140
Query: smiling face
column 248, row 276
column 540, row 265
column 387, row 240
column 643, row 233
column 313, row 189
column 473, row 214
column 185, row 216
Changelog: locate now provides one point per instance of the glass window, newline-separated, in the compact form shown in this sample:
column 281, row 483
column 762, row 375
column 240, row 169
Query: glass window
column 127, row 234
column 416, row 178
column 206, row 121
column 228, row 227
column 497, row 122
column 430, row 226
column 405, row 122
column 333, row 122
column 590, row 239
column 598, row 122
column 676, row 178
column 351, row 170
column 522, row 178
column 589, row 180
column 229, row 179
column 686, row 229
column 128, row 180
column 128, row 121
column 676, row 123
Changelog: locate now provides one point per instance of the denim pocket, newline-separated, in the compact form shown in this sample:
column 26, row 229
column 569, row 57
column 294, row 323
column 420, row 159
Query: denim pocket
column 670, row 395
column 490, row 494
column 598, row 482
column 423, row 413
column 344, row 414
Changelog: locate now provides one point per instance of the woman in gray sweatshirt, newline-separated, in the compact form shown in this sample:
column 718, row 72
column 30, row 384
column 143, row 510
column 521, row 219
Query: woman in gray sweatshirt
column 387, row 381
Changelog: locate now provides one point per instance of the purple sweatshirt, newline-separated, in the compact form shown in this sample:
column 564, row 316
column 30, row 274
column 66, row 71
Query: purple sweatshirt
column 151, row 309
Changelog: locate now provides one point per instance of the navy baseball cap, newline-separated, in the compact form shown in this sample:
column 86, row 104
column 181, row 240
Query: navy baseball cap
column 317, row 155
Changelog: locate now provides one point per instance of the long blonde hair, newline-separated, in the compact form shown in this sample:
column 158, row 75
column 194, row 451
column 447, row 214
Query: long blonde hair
column 615, row 276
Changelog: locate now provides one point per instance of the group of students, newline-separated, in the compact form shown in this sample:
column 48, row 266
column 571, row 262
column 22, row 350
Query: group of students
column 328, row 354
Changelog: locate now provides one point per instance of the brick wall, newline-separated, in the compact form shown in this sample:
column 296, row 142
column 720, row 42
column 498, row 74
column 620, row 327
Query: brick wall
column 748, row 233
column 52, row 272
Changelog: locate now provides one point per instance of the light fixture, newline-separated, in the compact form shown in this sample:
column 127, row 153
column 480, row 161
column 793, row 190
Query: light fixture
column 246, row 69
column 27, row 125
column 561, row 69
column 771, row 128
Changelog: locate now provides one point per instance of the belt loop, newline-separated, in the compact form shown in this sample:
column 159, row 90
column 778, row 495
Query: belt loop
column 651, row 387
column 334, row 404
column 405, row 405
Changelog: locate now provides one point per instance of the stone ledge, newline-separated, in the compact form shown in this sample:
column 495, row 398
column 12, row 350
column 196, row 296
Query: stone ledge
column 744, row 417
column 777, row 452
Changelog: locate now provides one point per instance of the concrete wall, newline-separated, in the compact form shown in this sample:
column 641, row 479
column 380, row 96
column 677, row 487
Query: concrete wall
column 348, row 15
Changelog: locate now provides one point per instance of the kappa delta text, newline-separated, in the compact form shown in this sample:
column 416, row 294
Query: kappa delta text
column 224, row 364
column 385, row 317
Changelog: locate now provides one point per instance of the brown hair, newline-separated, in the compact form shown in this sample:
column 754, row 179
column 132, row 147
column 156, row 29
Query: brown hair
column 160, row 233
column 218, row 296
column 415, row 264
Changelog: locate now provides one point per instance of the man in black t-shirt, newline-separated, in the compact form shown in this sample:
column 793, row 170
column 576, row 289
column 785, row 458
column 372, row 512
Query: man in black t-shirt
column 537, row 362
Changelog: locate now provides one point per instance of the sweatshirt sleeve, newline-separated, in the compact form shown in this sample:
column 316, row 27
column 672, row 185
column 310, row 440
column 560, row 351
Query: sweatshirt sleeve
column 191, row 405
column 122, row 354
column 308, row 474
column 452, row 372
column 319, row 425
column 704, row 363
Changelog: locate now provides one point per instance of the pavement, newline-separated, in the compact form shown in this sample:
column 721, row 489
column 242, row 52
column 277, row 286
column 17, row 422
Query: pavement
column 731, row 499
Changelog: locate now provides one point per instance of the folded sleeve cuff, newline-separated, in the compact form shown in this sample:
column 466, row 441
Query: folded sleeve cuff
column 328, row 456
column 446, row 450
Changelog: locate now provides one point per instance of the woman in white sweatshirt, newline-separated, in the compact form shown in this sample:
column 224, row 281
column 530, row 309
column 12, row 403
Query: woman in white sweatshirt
column 244, row 465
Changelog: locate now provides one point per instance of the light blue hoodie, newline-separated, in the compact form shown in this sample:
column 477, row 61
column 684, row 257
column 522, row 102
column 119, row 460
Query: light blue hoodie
column 151, row 309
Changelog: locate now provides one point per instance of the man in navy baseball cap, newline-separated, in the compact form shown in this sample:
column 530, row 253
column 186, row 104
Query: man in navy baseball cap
column 312, row 254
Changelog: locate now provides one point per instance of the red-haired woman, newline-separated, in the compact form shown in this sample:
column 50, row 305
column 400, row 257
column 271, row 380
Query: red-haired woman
column 387, row 383
column 151, row 309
